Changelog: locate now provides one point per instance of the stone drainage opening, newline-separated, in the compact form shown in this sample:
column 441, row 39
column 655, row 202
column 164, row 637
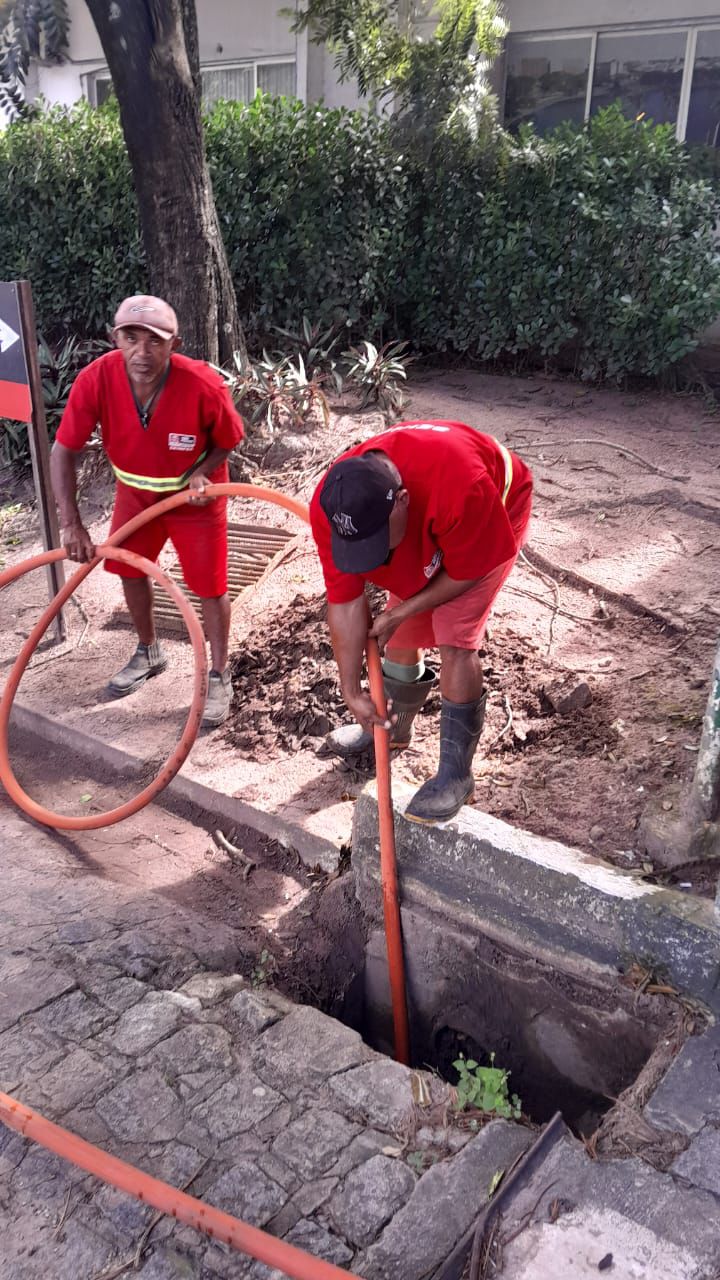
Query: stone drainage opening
column 570, row 1043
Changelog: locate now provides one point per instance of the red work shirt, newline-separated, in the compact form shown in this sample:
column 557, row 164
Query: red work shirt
column 455, row 477
column 192, row 415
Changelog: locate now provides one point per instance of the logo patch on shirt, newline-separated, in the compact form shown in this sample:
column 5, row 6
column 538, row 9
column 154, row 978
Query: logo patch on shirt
column 181, row 443
column 431, row 569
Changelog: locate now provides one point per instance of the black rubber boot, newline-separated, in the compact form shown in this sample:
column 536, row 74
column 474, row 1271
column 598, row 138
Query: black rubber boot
column 441, row 797
column 407, row 699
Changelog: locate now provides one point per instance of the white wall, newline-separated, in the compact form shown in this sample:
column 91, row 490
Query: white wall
column 229, row 31
column 554, row 15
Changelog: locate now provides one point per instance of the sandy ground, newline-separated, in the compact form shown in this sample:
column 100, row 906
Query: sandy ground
column 618, row 590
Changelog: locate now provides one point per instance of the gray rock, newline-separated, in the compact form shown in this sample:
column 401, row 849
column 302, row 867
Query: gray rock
column 77, row 1078
column 142, row 1108
column 323, row 1046
column 362, row 1148
column 312, row 1143
column 238, row 1106
column 74, row 1017
column 311, row 1195
column 38, row 984
column 379, row 1092
column 371, row 1195
column 195, row 1049
column 149, row 1021
column 255, row 1010
column 313, row 1239
column 689, row 1096
column 247, row 1193
column 443, row 1205
column 700, row 1164
column 211, row 988
column 167, row 1263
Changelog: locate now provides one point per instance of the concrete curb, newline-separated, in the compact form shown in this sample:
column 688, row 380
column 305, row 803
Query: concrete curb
column 551, row 901
column 214, row 805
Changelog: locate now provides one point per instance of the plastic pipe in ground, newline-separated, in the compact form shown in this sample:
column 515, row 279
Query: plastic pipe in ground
column 388, row 864
column 212, row 1222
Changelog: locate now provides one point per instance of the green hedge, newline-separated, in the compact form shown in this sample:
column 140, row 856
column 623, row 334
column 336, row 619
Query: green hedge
column 596, row 245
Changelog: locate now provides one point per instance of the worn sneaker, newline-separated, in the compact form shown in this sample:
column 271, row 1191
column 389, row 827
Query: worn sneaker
column 217, row 707
column 148, row 660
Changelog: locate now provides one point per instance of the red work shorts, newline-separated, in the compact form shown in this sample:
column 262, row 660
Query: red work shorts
column 198, row 534
column 461, row 622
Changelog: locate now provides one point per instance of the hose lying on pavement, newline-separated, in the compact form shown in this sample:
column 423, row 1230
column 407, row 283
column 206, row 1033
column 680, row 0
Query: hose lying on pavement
column 86, row 822
column 203, row 1217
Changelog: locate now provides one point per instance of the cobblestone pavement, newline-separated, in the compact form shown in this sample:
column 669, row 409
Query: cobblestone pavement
column 121, row 1018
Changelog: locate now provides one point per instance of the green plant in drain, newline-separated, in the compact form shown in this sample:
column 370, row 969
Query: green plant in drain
column 264, row 970
column 485, row 1088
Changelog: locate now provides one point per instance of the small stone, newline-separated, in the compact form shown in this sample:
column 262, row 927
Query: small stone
column 371, row 1195
column 147, row 1022
column 597, row 832
column 247, row 1193
column 313, row 1142
column 141, row 1108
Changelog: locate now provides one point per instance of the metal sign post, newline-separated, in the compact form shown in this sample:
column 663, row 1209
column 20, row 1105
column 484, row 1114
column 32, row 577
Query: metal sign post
column 21, row 398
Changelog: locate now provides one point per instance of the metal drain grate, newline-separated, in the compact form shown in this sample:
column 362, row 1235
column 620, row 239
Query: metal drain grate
column 251, row 547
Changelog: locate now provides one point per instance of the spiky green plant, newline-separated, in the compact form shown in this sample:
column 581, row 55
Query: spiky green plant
column 28, row 29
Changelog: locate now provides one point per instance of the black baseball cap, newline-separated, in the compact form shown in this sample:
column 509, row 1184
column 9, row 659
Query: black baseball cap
column 357, row 497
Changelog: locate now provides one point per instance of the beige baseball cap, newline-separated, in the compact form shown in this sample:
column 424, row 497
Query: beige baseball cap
column 146, row 312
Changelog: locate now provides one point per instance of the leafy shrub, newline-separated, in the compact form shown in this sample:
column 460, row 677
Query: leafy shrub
column 485, row 1088
column 58, row 368
column 593, row 246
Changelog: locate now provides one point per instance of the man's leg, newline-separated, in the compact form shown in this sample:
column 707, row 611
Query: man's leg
column 139, row 600
column 216, row 620
column 461, row 674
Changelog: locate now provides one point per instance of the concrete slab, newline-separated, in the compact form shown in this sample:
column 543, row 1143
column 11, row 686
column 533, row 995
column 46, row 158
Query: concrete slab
column 689, row 1096
column 551, row 901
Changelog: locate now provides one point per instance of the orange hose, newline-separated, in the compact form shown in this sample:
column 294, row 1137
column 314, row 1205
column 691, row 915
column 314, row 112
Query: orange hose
column 203, row 1217
column 388, row 861
column 89, row 822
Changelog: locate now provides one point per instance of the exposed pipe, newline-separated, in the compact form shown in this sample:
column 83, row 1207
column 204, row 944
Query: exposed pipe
column 293, row 1262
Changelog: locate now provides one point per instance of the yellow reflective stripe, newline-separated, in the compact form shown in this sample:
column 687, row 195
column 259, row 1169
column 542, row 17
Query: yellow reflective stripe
column 157, row 484
column 507, row 459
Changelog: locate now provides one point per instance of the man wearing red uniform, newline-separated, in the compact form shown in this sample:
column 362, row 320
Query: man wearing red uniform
column 435, row 513
column 168, row 423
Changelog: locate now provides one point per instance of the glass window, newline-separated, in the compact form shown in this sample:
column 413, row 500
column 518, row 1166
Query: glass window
column 231, row 84
column 644, row 72
column 703, row 123
column 546, row 81
column 277, row 78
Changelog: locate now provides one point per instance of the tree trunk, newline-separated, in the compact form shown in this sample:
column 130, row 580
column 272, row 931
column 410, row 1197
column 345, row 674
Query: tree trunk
column 151, row 47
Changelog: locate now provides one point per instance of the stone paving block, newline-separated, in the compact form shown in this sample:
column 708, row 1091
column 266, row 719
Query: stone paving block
column 311, row 1195
column 689, row 1095
column 167, row 1263
column 379, row 1092
column 372, row 1193
column 27, row 1051
column 238, row 1106
column 13, row 1149
column 314, row 1239
column 74, row 1017
column 278, row 1171
column 119, row 994
column 117, row 1217
column 221, row 1262
column 196, row 1048
column 312, row 1143
column 152, row 1019
column 442, row 1206
column 142, row 1108
column 78, row 1077
column 33, row 1253
column 30, row 990
column 254, row 1011
column 363, row 1147
column 306, row 1036
column 247, row 1193
column 211, row 988
column 700, row 1164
